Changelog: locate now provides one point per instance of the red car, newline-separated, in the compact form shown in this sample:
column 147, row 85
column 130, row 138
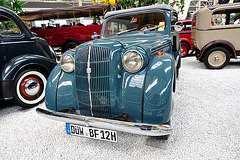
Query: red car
column 67, row 37
column 185, row 37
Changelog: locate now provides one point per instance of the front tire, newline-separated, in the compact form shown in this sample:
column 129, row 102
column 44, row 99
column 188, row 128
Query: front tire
column 201, row 60
column 165, row 137
column 216, row 58
column 30, row 88
column 184, row 49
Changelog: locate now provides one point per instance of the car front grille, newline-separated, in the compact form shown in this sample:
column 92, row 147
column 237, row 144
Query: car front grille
column 99, row 82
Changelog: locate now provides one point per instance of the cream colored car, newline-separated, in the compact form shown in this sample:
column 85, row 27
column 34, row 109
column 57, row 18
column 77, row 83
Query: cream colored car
column 216, row 34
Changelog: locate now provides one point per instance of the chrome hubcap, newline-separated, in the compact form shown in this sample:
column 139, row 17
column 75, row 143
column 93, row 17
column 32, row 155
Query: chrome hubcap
column 32, row 87
column 217, row 58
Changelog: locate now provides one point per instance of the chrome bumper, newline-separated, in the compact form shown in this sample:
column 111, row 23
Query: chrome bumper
column 128, row 127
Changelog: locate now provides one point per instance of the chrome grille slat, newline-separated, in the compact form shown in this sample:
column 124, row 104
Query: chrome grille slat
column 99, row 83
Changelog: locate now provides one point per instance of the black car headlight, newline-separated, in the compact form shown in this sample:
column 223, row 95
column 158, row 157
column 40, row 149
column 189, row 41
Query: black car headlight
column 132, row 61
column 67, row 63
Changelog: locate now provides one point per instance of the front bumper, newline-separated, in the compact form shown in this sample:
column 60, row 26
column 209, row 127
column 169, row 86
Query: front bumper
column 122, row 126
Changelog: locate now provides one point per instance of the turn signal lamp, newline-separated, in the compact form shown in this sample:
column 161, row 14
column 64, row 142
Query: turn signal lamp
column 159, row 53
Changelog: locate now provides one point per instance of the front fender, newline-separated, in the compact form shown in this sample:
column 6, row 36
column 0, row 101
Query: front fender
column 158, row 89
column 61, row 90
column 187, row 41
column 51, row 88
column 147, row 95
column 221, row 43
column 11, row 69
column 132, row 91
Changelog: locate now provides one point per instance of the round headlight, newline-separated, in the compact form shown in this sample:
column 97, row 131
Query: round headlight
column 67, row 63
column 132, row 61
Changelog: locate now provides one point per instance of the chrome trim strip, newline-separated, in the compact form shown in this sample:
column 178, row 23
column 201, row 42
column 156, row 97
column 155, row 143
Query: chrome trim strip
column 122, row 126
column 89, row 77
column 17, row 42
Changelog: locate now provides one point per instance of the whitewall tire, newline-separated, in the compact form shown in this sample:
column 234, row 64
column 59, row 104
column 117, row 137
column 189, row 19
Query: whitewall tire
column 30, row 88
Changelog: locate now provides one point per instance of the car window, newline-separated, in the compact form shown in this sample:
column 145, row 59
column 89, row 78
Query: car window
column 8, row 27
column 227, row 17
column 187, row 26
column 115, row 27
column 137, row 22
column 234, row 18
column 218, row 19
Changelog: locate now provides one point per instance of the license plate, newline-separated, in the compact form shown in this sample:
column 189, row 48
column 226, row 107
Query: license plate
column 95, row 133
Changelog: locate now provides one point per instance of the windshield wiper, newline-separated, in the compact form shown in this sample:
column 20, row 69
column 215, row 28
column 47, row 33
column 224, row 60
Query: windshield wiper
column 149, row 29
column 125, row 31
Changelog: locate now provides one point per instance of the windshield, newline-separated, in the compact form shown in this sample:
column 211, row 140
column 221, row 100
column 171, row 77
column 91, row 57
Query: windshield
column 137, row 22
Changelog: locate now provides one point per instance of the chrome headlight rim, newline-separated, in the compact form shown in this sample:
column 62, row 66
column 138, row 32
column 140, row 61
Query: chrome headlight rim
column 124, row 64
column 64, row 62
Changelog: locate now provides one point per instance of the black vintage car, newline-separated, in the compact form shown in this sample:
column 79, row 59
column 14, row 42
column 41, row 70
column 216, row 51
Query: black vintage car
column 25, row 61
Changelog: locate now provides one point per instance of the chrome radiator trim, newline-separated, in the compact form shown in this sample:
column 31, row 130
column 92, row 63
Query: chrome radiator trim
column 89, row 78
column 92, row 81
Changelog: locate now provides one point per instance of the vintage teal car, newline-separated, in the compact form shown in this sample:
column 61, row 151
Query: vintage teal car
column 123, row 81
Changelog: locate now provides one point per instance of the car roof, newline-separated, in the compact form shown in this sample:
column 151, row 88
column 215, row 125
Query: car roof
column 227, row 5
column 6, row 10
column 158, row 6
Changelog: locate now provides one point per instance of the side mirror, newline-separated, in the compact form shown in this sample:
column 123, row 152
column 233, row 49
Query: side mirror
column 94, row 36
column 178, row 26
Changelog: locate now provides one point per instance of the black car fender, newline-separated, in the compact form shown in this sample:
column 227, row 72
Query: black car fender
column 21, row 63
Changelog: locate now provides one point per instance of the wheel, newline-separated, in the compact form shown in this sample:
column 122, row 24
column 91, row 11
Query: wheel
column 163, row 137
column 184, row 49
column 30, row 88
column 69, row 45
column 216, row 58
column 201, row 59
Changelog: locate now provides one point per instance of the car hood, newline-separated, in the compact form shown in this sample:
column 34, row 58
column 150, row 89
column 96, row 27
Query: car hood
column 144, row 41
